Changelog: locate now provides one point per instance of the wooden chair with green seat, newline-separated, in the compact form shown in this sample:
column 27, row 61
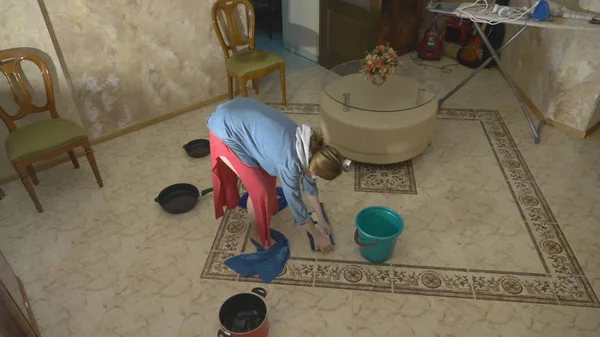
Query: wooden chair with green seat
column 242, row 60
column 40, row 140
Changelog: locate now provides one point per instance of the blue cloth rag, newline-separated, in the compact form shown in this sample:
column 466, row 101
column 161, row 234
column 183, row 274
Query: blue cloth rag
column 281, row 201
column 267, row 264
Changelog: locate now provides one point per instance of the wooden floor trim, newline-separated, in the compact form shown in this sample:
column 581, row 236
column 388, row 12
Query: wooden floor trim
column 593, row 129
column 161, row 118
column 557, row 125
column 42, row 166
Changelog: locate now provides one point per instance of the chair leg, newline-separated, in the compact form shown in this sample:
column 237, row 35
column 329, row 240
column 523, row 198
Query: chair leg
column 89, row 153
column 255, row 85
column 73, row 159
column 282, row 81
column 243, row 88
column 22, row 172
column 32, row 175
column 230, row 86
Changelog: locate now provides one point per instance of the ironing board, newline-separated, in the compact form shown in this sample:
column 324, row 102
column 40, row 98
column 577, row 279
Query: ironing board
column 556, row 23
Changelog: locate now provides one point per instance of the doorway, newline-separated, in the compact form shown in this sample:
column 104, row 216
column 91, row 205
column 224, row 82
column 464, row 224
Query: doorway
column 289, row 28
column 268, row 28
column 347, row 30
column 350, row 28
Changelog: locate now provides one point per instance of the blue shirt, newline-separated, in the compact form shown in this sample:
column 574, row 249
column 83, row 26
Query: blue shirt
column 264, row 137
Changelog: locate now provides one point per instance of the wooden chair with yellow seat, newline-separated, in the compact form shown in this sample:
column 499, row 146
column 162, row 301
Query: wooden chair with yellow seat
column 242, row 60
column 43, row 139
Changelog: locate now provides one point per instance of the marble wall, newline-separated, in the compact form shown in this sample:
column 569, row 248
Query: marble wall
column 132, row 60
column 595, row 119
column 127, row 61
column 556, row 69
column 23, row 25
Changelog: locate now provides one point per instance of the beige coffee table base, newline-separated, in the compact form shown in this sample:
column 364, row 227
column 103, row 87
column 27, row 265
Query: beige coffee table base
column 378, row 137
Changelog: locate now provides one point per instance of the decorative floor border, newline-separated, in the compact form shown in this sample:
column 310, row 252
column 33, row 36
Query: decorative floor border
column 564, row 282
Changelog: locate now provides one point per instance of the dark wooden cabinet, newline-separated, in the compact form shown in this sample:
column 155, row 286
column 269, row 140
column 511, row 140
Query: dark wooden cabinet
column 350, row 28
column 400, row 24
column 16, row 317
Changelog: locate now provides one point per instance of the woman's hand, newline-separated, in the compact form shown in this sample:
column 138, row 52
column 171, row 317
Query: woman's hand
column 324, row 226
column 315, row 203
column 322, row 241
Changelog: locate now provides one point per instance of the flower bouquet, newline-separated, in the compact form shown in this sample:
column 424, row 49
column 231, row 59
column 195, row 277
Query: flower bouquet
column 379, row 63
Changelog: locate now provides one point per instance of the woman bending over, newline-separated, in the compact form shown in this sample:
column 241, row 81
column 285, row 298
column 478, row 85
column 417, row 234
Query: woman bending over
column 259, row 144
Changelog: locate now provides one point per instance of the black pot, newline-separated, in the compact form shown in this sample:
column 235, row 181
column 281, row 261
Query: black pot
column 244, row 315
column 179, row 198
column 197, row 148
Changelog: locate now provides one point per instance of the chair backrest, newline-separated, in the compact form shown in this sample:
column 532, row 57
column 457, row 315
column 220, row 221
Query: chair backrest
column 11, row 68
column 228, row 24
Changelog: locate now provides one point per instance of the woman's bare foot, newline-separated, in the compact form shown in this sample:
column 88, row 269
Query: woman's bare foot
column 254, row 235
column 322, row 241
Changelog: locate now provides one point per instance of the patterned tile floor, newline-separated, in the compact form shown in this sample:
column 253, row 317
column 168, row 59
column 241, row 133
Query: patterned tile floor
column 393, row 178
column 501, row 238
column 530, row 261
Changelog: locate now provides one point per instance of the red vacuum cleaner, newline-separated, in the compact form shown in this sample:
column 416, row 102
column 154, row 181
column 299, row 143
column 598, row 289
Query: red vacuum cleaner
column 431, row 46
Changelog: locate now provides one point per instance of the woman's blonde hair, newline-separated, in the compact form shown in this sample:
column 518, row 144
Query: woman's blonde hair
column 325, row 161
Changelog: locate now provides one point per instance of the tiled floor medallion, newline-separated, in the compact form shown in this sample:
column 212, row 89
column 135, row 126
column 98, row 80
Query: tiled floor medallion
column 563, row 283
column 391, row 178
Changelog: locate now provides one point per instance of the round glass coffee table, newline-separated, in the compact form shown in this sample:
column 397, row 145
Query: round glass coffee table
column 379, row 124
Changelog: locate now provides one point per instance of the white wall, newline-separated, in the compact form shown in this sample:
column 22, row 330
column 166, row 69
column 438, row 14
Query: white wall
column 590, row 5
column 359, row 3
column 301, row 27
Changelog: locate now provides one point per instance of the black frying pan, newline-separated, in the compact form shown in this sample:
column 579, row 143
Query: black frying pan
column 197, row 148
column 180, row 198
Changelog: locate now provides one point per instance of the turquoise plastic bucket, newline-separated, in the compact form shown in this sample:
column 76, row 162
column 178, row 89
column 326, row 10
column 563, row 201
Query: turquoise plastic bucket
column 377, row 230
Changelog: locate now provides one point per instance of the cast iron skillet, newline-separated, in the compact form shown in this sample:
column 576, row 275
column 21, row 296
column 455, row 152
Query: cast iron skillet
column 197, row 148
column 179, row 198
